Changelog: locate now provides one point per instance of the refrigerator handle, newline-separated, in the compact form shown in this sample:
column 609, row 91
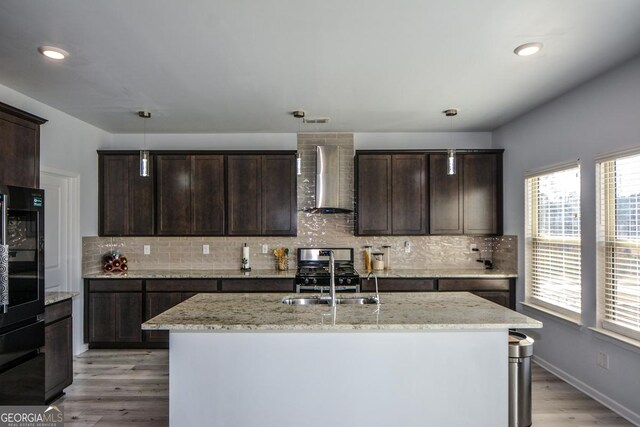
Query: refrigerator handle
column 4, row 256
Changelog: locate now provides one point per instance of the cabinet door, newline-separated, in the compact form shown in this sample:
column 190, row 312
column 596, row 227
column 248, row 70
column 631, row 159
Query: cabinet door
column 156, row 303
column 207, row 195
column 102, row 327
column 125, row 198
column 409, row 194
column 445, row 196
column 244, row 195
column 128, row 317
column 482, row 210
column 58, row 357
column 279, row 195
column 113, row 195
column 141, row 199
column 174, row 194
column 374, row 194
column 19, row 151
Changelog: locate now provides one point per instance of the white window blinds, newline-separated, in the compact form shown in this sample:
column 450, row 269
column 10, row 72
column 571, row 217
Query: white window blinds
column 619, row 243
column 552, row 239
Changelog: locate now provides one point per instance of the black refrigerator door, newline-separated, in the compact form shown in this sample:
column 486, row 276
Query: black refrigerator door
column 22, row 237
column 22, row 371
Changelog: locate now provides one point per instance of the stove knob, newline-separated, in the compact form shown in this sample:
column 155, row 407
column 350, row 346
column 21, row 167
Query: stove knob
column 348, row 281
column 340, row 281
column 306, row 281
column 315, row 281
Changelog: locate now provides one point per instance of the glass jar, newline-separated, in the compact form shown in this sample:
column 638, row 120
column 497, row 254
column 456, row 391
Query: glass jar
column 386, row 250
column 378, row 261
column 367, row 258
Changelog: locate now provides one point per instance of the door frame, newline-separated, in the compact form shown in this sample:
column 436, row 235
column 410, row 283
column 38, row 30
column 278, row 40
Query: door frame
column 74, row 249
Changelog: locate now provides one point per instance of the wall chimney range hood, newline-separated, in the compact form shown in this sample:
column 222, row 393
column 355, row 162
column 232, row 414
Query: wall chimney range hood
column 328, row 198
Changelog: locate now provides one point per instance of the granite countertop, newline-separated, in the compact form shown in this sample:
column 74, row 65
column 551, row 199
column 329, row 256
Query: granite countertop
column 290, row 274
column 54, row 297
column 195, row 274
column 444, row 273
column 398, row 311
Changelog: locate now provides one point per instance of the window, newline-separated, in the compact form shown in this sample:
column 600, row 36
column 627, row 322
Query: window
column 552, row 239
column 619, row 244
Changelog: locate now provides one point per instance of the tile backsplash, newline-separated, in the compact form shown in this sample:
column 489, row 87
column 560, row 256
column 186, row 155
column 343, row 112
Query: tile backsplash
column 314, row 230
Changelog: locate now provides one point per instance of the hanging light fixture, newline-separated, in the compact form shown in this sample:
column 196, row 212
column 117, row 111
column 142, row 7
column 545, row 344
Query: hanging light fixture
column 451, row 152
column 298, row 114
column 144, row 154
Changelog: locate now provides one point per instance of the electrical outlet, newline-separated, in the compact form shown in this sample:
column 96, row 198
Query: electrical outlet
column 602, row 360
column 265, row 249
column 473, row 247
column 147, row 249
column 205, row 249
column 407, row 247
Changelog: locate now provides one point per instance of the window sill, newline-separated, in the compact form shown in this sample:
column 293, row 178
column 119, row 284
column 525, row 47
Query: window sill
column 617, row 339
column 552, row 314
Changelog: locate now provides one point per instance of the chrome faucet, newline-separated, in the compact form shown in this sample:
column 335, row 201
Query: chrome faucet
column 377, row 297
column 332, row 276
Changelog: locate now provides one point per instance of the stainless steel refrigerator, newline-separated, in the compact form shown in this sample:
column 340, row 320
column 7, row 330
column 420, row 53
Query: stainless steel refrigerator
column 22, row 371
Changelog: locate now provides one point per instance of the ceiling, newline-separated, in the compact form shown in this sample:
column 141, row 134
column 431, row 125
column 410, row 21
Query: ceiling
column 218, row 66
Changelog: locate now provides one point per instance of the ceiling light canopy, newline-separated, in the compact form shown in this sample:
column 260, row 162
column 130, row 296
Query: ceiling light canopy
column 53, row 52
column 528, row 49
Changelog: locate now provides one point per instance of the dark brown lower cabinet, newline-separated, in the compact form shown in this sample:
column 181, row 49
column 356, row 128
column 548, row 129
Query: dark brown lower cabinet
column 114, row 312
column 500, row 291
column 58, row 341
column 398, row 285
column 161, row 295
column 257, row 285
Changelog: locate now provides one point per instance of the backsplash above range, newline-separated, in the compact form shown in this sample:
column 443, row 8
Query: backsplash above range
column 314, row 230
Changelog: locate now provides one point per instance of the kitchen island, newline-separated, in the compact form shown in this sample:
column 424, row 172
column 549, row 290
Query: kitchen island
column 427, row 359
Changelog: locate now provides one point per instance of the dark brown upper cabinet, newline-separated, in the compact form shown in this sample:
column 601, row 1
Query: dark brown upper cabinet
column 261, row 195
column 190, row 192
column 125, row 198
column 19, row 147
column 391, row 194
column 469, row 202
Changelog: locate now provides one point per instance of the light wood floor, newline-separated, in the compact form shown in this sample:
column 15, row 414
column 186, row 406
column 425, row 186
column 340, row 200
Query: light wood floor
column 130, row 388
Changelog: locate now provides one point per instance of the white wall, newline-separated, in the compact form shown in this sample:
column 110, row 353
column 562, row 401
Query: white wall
column 600, row 116
column 288, row 141
column 70, row 145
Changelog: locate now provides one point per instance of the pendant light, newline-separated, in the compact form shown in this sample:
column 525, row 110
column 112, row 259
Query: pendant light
column 451, row 152
column 299, row 114
column 144, row 154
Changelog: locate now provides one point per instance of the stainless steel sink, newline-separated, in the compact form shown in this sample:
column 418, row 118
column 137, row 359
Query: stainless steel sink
column 313, row 300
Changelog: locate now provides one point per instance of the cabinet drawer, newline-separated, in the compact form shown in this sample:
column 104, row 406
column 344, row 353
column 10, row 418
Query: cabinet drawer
column 115, row 286
column 398, row 285
column 473, row 284
column 499, row 297
column 189, row 285
column 57, row 311
column 257, row 285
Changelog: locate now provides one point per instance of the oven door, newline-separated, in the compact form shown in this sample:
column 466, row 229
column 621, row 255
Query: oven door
column 21, row 254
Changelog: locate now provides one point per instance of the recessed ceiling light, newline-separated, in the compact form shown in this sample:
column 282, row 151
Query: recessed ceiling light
column 53, row 52
column 528, row 49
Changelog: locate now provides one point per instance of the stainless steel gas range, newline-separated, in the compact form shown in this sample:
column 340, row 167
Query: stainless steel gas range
column 313, row 270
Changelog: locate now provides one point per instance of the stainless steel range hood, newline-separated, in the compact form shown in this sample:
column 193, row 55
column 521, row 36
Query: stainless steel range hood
column 328, row 182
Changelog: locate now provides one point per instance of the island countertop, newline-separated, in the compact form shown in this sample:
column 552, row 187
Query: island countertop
column 398, row 311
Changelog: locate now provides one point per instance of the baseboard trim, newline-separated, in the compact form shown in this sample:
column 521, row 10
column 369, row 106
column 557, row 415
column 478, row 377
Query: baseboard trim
column 623, row 411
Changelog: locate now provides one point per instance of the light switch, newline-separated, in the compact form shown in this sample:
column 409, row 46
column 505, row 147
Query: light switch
column 265, row 249
column 407, row 247
column 147, row 249
column 205, row 249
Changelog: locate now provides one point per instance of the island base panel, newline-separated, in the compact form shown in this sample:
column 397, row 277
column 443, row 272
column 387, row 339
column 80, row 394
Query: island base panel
column 452, row 378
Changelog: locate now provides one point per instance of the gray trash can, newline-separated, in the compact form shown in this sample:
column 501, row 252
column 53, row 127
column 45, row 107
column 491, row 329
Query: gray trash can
column 520, row 352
